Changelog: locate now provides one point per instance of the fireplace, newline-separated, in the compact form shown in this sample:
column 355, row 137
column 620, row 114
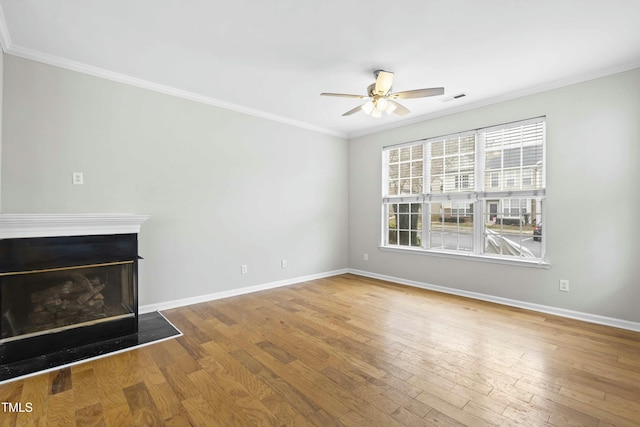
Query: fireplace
column 51, row 300
column 66, row 281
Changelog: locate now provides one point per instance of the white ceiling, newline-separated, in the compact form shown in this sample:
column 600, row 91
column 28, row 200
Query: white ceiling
column 273, row 58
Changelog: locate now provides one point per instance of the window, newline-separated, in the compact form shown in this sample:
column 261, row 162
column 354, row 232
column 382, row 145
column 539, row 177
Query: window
column 405, row 224
column 462, row 181
column 478, row 193
column 495, row 179
column 405, row 174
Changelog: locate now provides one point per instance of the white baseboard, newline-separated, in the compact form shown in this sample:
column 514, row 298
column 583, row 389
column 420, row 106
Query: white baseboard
column 235, row 292
column 586, row 317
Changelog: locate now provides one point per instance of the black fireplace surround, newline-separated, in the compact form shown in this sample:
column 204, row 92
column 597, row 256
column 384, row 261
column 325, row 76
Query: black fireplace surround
column 58, row 293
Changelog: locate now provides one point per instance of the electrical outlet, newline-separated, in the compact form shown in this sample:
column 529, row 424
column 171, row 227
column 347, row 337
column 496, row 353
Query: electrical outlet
column 564, row 285
column 283, row 263
column 243, row 269
column 366, row 257
column 77, row 178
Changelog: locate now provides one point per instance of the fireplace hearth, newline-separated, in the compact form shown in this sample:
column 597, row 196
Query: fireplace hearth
column 66, row 281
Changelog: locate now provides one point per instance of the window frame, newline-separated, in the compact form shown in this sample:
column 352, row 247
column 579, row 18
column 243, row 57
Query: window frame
column 476, row 193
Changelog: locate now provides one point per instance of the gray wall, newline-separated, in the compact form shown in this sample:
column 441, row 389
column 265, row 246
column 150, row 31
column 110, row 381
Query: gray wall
column 225, row 189
column 222, row 188
column 593, row 201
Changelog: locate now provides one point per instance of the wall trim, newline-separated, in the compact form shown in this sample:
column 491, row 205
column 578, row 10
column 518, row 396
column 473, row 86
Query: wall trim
column 148, row 308
column 5, row 39
column 533, row 90
column 562, row 312
column 571, row 314
column 79, row 67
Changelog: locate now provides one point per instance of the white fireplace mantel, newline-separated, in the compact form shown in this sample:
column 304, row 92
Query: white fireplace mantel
column 14, row 226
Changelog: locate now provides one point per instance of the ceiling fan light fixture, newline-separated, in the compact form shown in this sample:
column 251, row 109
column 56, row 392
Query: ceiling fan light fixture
column 381, row 101
column 368, row 107
column 381, row 104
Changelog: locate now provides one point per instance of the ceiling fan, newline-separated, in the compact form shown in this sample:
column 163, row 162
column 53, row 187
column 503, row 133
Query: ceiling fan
column 383, row 101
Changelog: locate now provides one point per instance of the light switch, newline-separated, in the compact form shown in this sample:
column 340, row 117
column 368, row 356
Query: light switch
column 77, row 178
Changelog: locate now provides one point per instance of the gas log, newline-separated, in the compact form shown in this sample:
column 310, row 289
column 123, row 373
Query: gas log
column 73, row 299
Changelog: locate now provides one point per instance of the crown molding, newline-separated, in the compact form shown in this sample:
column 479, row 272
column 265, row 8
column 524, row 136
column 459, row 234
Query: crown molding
column 148, row 85
column 556, row 84
column 9, row 48
column 5, row 39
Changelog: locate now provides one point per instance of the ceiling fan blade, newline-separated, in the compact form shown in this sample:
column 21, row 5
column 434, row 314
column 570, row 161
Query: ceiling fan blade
column 400, row 110
column 344, row 95
column 418, row 93
column 384, row 80
column 353, row 111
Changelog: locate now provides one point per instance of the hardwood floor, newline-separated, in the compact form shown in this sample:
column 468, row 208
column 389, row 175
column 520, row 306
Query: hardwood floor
column 350, row 351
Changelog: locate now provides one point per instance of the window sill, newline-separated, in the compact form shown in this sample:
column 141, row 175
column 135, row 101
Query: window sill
column 534, row 263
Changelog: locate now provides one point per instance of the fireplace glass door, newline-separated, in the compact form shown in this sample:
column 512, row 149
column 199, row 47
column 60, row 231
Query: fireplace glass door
column 51, row 300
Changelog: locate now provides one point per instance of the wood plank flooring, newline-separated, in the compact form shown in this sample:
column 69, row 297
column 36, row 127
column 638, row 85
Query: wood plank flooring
column 349, row 351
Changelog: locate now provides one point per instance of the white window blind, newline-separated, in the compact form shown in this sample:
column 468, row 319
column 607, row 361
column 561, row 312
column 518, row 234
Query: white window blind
column 515, row 152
